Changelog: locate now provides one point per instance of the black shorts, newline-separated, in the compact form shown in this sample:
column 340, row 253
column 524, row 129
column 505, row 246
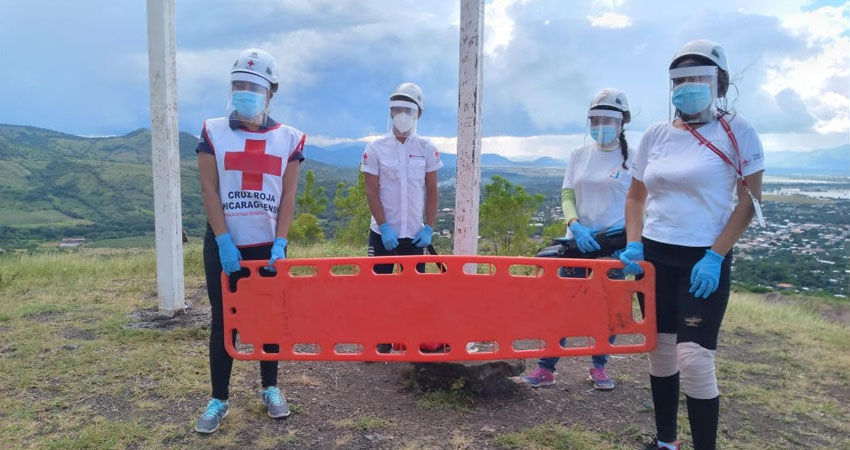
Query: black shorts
column 677, row 310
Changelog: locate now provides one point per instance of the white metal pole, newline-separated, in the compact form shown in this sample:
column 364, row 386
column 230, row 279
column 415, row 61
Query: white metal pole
column 162, row 65
column 470, row 85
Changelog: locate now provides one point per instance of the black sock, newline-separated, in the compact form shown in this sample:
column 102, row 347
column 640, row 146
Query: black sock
column 665, row 397
column 703, row 414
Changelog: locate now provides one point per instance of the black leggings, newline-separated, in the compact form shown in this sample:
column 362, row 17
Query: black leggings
column 220, row 361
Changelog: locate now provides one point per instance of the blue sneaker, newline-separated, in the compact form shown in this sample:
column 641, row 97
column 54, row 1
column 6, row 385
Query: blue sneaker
column 211, row 418
column 275, row 403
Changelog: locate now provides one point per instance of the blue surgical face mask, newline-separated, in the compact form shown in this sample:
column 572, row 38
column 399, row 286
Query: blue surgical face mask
column 247, row 103
column 692, row 98
column 604, row 134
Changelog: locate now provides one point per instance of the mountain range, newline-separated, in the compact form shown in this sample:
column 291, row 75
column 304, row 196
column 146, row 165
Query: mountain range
column 349, row 154
column 831, row 161
column 52, row 182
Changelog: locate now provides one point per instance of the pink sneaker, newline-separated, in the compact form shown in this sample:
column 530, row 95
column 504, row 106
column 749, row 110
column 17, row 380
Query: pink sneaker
column 540, row 377
column 601, row 380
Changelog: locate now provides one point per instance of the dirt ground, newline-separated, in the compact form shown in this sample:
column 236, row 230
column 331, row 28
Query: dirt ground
column 378, row 406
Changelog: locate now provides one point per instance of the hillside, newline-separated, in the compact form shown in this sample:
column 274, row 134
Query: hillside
column 84, row 364
column 54, row 185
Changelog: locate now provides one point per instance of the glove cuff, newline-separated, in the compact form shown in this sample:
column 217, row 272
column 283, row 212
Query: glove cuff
column 635, row 245
column 714, row 255
column 280, row 241
column 223, row 238
column 428, row 227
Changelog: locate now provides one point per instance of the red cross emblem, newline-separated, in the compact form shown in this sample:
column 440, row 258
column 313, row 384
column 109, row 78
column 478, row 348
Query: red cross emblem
column 253, row 163
column 251, row 63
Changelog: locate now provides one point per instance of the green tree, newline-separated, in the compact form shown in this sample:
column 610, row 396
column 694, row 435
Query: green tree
column 352, row 212
column 554, row 230
column 312, row 200
column 305, row 228
column 505, row 215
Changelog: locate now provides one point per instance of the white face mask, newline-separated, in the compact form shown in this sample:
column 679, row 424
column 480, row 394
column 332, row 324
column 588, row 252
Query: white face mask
column 403, row 122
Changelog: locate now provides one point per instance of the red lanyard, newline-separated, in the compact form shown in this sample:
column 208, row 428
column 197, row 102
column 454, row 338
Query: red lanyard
column 702, row 140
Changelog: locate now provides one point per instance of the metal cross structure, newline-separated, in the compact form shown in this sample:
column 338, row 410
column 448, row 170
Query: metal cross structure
column 162, row 61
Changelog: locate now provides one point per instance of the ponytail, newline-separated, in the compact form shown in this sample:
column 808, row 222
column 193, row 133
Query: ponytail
column 624, row 148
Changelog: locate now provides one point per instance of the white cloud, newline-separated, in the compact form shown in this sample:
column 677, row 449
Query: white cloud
column 610, row 20
column 822, row 77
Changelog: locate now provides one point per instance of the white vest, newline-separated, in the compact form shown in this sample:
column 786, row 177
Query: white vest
column 251, row 165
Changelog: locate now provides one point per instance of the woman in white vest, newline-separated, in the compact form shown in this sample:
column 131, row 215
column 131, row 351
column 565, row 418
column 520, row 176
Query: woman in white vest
column 681, row 215
column 593, row 199
column 248, row 166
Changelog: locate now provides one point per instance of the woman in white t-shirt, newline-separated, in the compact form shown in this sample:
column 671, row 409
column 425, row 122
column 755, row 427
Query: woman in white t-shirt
column 593, row 198
column 681, row 215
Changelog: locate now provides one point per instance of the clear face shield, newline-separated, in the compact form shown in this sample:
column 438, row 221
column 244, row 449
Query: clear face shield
column 604, row 127
column 693, row 91
column 404, row 116
column 249, row 98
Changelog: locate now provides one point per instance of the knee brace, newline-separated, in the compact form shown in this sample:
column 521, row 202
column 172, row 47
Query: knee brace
column 697, row 371
column 663, row 361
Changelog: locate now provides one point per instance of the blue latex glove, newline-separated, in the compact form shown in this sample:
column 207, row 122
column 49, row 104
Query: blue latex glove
column 613, row 231
column 630, row 256
column 584, row 238
column 616, row 254
column 278, row 252
column 228, row 253
column 705, row 276
column 388, row 237
column 423, row 237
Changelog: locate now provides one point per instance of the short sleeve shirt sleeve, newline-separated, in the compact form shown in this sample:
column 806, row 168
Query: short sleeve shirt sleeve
column 640, row 156
column 569, row 182
column 750, row 147
column 369, row 163
column 204, row 144
column 432, row 158
column 298, row 152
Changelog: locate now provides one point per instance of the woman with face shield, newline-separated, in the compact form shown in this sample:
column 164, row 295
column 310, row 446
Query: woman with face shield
column 248, row 165
column 682, row 215
column 593, row 198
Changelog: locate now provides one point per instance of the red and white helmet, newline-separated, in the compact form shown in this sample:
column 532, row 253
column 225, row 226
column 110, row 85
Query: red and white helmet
column 256, row 66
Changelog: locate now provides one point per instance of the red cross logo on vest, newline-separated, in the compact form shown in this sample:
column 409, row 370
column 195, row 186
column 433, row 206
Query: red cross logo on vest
column 254, row 163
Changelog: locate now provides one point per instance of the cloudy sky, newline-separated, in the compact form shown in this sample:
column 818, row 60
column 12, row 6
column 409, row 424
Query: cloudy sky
column 81, row 67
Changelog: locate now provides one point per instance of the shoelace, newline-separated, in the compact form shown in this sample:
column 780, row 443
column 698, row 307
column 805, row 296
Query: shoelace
column 273, row 394
column 213, row 409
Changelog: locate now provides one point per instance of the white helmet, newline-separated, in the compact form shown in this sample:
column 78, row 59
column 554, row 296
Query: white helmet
column 252, row 63
column 410, row 91
column 713, row 52
column 707, row 49
column 613, row 98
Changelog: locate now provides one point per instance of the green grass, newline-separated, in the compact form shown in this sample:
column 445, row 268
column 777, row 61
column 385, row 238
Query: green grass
column 364, row 423
column 555, row 437
column 31, row 219
column 456, row 397
column 125, row 242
